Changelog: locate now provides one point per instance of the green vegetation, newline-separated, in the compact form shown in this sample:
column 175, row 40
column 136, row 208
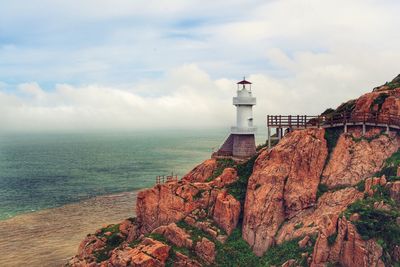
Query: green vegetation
column 379, row 101
column 113, row 240
column 277, row 255
column 332, row 136
column 361, row 186
column 221, row 165
column 395, row 83
column 346, row 107
column 235, row 252
column 298, row 225
column 238, row 188
column 332, row 239
column 322, row 188
column 379, row 224
column 195, row 233
column 390, row 167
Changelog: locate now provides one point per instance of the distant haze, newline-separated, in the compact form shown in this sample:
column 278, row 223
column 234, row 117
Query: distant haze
column 129, row 65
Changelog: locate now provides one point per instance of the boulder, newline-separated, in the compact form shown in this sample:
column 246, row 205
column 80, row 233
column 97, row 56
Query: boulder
column 226, row 212
column 175, row 235
column 349, row 249
column 149, row 252
column 394, row 190
column 284, row 182
column 202, row 171
column 228, row 176
column 370, row 183
column 205, row 249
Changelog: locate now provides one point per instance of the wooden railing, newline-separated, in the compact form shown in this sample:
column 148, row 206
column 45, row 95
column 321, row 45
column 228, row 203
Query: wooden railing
column 166, row 178
column 306, row 121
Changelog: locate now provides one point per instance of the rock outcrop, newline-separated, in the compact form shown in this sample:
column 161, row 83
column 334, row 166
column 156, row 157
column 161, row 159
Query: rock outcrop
column 226, row 212
column 356, row 158
column 349, row 249
column 284, row 181
column 297, row 196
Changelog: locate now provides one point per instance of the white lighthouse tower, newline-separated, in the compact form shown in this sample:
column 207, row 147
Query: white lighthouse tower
column 241, row 141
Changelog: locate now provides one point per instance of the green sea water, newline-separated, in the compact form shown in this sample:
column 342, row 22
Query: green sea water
column 39, row 171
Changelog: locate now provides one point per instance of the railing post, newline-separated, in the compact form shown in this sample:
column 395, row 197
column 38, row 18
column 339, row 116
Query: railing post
column 269, row 137
column 305, row 121
column 290, row 122
column 318, row 122
column 297, row 121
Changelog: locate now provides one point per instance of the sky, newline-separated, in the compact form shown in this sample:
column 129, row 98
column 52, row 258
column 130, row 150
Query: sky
column 153, row 64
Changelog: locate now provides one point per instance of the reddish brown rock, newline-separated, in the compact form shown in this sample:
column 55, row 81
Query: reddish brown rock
column 89, row 245
column 205, row 249
column 202, row 171
column 289, row 263
column 228, row 176
column 371, row 183
column 302, row 243
column 129, row 230
column 349, row 249
column 184, row 261
column 394, row 189
column 285, row 176
column 321, row 219
column 353, row 160
column 175, row 235
column 226, row 212
column 149, row 252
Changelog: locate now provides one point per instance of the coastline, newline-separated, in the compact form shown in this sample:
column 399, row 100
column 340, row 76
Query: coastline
column 50, row 237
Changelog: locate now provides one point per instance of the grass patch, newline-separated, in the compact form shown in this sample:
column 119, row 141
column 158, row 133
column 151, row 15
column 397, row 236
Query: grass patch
column 361, row 186
column 288, row 250
column 332, row 136
column 195, row 233
column 221, row 165
column 238, row 189
column 235, row 252
column 378, row 223
column 332, row 239
column 379, row 100
column 322, row 189
column 390, row 167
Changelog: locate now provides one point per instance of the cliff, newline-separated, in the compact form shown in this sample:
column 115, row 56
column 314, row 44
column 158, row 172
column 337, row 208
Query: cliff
column 320, row 197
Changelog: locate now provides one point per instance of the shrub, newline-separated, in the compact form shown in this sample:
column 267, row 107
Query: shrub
column 322, row 188
column 238, row 189
column 379, row 101
column 288, row 250
column 390, row 167
column 332, row 136
column 221, row 165
column 236, row 252
column 332, row 239
column 377, row 223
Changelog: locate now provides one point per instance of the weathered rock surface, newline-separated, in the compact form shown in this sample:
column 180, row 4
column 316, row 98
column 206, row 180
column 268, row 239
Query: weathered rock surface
column 349, row 249
column 355, row 158
column 202, row 171
column 175, row 235
column 149, row 252
column 284, row 181
column 226, row 212
column 205, row 249
column 228, row 176
column 394, row 190
column 323, row 218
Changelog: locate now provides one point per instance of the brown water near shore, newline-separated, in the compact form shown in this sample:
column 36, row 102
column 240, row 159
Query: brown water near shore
column 50, row 237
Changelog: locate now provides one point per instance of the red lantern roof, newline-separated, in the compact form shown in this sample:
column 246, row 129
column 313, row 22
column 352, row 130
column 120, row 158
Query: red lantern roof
column 244, row 82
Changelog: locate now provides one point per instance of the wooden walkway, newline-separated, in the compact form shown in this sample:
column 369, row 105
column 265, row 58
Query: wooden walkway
column 293, row 122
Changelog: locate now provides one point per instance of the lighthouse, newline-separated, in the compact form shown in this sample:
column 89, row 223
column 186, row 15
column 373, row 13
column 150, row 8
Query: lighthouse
column 241, row 141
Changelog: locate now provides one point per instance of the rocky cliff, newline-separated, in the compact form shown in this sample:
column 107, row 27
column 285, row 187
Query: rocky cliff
column 320, row 197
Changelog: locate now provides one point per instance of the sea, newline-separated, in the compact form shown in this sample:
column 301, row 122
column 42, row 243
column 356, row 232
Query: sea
column 46, row 170
column 55, row 188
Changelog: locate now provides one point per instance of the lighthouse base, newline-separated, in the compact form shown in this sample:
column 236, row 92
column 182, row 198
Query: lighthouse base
column 237, row 146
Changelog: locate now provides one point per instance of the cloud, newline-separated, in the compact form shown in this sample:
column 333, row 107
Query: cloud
column 153, row 64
